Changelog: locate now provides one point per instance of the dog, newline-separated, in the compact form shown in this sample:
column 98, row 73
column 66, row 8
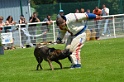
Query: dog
column 50, row 54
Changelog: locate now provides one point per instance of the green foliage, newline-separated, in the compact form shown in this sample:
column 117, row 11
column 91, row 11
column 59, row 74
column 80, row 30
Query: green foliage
column 102, row 61
column 38, row 2
column 115, row 7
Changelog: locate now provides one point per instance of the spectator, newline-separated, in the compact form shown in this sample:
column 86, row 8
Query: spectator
column 2, row 24
column 76, row 10
column 82, row 10
column 32, row 27
column 60, row 15
column 105, row 12
column 22, row 20
column 23, row 36
column 88, row 11
column 34, row 18
column 48, row 20
column 98, row 12
column 45, row 26
column 9, row 21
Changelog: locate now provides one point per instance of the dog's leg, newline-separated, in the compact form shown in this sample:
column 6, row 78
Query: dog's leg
column 41, row 59
column 69, row 58
column 39, row 63
column 38, row 66
column 50, row 63
column 59, row 63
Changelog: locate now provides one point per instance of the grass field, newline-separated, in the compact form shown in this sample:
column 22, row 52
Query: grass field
column 102, row 61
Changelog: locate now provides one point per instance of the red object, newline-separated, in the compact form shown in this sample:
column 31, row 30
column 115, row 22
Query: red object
column 1, row 28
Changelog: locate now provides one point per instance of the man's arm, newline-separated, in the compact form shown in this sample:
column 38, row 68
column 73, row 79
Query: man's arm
column 38, row 20
column 73, row 17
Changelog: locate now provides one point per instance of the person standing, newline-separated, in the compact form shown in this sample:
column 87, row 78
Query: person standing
column 60, row 15
column 105, row 12
column 9, row 21
column 82, row 10
column 76, row 10
column 88, row 11
column 48, row 21
column 10, row 28
column 77, row 36
column 2, row 24
column 32, row 28
column 34, row 18
column 23, row 36
column 98, row 12
column 22, row 20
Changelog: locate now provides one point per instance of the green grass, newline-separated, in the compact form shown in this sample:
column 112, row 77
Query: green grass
column 103, row 61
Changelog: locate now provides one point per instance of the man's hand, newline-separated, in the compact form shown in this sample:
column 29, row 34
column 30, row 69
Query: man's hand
column 70, row 32
column 98, row 17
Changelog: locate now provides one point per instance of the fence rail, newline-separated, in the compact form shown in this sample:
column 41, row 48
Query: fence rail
column 32, row 33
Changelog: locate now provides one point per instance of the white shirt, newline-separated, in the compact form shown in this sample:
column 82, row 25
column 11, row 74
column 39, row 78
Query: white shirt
column 74, row 21
column 105, row 11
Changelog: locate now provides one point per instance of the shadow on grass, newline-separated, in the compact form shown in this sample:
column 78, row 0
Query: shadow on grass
column 51, row 70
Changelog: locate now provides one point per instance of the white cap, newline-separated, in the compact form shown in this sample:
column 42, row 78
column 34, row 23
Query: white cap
column 61, row 11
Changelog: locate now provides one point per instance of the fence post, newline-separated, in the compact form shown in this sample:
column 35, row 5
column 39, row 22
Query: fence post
column 121, row 6
column 98, row 3
column 54, row 36
column 60, row 6
column 29, row 8
column 19, row 29
column 113, row 20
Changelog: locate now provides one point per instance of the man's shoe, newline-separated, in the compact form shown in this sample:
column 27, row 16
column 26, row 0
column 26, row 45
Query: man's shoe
column 76, row 66
column 108, row 35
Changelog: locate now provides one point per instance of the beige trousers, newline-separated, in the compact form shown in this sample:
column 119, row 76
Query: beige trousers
column 76, row 43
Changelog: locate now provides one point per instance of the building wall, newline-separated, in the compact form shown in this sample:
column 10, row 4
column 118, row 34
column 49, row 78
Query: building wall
column 12, row 7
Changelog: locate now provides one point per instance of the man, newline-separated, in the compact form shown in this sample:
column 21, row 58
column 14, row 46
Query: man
column 76, row 10
column 98, row 12
column 34, row 18
column 82, row 10
column 105, row 12
column 45, row 27
column 73, row 25
column 88, row 11
column 23, row 37
column 32, row 27
column 60, row 15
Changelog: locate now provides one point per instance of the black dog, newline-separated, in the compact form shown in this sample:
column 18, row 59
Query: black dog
column 50, row 54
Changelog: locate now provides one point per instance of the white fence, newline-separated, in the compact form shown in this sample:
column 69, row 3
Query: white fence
column 32, row 33
column 115, row 26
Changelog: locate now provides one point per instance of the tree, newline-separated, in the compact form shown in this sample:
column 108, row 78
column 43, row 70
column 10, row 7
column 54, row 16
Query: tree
column 37, row 2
